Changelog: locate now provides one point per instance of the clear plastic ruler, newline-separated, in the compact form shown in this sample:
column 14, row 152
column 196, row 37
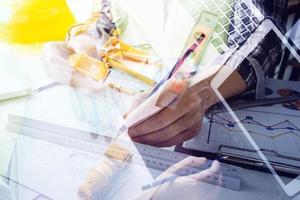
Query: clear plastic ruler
column 160, row 159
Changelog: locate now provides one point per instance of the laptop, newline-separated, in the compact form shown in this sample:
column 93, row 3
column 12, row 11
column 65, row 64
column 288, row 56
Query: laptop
column 242, row 14
column 264, row 138
column 237, row 19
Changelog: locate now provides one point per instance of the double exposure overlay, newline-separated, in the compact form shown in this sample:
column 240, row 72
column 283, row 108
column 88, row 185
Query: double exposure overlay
column 149, row 99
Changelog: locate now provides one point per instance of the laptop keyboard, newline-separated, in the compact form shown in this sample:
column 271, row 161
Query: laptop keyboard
column 236, row 21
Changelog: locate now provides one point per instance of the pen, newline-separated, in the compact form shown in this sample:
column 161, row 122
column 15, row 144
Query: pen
column 138, row 113
column 25, row 92
column 160, row 182
column 179, row 62
column 186, row 54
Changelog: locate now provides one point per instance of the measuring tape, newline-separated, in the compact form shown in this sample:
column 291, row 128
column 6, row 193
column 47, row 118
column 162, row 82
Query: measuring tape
column 151, row 157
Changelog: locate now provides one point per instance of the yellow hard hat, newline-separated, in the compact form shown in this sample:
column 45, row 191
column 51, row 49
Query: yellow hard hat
column 31, row 21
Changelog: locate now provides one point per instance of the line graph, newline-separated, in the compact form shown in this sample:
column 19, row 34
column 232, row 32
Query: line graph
column 285, row 125
column 272, row 131
column 275, row 129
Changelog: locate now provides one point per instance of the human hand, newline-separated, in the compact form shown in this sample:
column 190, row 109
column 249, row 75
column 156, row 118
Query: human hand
column 55, row 56
column 100, row 177
column 173, row 124
column 190, row 186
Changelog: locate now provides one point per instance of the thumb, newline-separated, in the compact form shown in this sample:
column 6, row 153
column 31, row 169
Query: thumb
column 172, row 92
column 141, row 97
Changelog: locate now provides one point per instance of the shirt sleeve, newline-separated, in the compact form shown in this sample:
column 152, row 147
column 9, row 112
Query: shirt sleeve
column 268, row 53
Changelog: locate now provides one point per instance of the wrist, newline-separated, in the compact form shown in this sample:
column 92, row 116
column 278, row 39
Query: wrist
column 207, row 95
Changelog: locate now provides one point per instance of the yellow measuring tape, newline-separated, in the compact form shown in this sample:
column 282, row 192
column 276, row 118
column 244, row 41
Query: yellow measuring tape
column 112, row 54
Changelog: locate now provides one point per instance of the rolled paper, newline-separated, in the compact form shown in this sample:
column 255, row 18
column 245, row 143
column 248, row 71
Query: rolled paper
column 101, row 176
column 97, row 179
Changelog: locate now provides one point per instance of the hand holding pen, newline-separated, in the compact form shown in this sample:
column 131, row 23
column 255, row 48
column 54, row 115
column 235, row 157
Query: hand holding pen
column 159, row 122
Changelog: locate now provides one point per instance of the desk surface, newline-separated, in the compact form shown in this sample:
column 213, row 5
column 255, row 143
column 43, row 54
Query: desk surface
column 255, row 185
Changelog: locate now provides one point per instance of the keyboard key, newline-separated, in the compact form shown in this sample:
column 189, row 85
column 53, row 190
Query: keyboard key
column 238, row 39
column 231, row 33
column 224, row 20
column 231, row 43
column 224, row 39
column 231, row 27
column 241, row 14
column 251, row 27
column 255, row 20
column 224, row 7
column 242, row 28
column 249, row 13
column 220, row 50
column 219, row 28
column 230, row 3
column 237, row 21
column 246, row 34
column 231, row 39
column 237, row 8
column 217, row 42
column 229, row 14
column 246, row 20
column 226, row 26
column 218, row 11
column 219, row 2
column 244, row 6
column 232, row 18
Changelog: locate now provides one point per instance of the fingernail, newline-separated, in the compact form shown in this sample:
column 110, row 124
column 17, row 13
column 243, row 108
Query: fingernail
column 196, row 159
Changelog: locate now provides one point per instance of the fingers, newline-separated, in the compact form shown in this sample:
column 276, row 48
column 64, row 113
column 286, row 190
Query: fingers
column 182, row 137
column 172, row 93
column 166, row 116
column 83, row 43
column 80, row 81
column 190, row 161
column 204, row 175
column 182, row 124
column 55, row 55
